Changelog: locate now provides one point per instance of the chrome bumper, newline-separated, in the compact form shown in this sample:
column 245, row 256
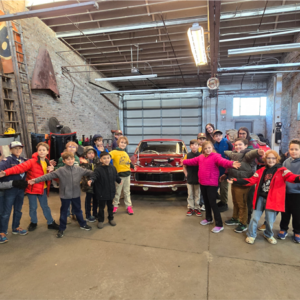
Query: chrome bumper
column 158, row 186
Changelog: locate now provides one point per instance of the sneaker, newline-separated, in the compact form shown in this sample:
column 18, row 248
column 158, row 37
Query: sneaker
column 189, row 212
column 86, row 227
column 53, row 226
column 296, row 238
column 232, row 222
column 202, row 207
column 282, row 234
column 223, row 207
column 112, row 222
column 100, row 225
column 129, row 210
column 205, row 222
column 262, row 227
column 91, row 219
column 32, row 226
column 115, row 209
column 197, row 212
column 69, row 220
column 250, row 240
column 217, row 229
column 271, row 240
column 60, row 234
column 19, row 231
column 241, row 228
column 3, row 238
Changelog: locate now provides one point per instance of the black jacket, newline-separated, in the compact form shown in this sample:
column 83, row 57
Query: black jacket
column 192, row 171
column 104, row 178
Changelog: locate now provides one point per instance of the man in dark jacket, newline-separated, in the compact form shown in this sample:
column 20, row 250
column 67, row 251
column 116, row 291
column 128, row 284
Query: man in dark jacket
column 103, row 179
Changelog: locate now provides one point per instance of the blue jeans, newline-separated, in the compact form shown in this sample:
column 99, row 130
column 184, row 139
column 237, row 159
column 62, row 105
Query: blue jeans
column 13, row 198
column 76, row 207
column 270, row 216
column 44, row 205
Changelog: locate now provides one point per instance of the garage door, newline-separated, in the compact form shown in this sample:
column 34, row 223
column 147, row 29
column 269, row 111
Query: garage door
column 150, row 116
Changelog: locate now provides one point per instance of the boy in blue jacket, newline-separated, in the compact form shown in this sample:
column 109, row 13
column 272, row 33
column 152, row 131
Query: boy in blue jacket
column 221, row 145
column 292, row 199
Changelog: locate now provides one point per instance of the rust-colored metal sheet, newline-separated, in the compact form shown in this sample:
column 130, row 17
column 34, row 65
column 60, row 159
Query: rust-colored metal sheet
column 43, row 77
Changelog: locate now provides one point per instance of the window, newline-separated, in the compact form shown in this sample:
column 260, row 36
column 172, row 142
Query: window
column 249, row 106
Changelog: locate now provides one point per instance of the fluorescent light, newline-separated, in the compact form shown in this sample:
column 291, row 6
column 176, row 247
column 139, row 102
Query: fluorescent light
column 196, row 37
column 136, row 77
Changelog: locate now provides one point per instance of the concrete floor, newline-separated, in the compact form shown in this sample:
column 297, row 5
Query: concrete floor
column 158, row 253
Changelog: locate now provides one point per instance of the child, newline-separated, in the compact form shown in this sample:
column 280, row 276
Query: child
column 98, row 145
column 239, row 193
column 292, row 200
column 193, row 187
column 90, row 163
column 104, row 179
column 208, row 175
column 201, row 138
column 19, row 184
column 269, row 194
column 123, row 164
column 70, row 147
column 221, row 145
column 118, row 134
column 13, row 197
column 38, row 165
column 69, row 190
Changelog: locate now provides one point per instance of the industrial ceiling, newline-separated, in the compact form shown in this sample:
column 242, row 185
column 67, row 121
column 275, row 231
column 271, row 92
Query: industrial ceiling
column 154, row 32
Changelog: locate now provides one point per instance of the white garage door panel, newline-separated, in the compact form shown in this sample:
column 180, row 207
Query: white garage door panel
column 152, row 116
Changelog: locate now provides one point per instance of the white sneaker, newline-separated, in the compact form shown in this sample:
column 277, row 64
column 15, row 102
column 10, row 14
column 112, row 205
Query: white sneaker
column 202, row 207
column 271, row 240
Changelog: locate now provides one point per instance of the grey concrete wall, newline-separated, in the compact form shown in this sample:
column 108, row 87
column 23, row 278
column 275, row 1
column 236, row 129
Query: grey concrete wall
column 289, row 101
column 226, row 102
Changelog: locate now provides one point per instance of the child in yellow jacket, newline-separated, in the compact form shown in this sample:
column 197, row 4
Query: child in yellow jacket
column 122, row 163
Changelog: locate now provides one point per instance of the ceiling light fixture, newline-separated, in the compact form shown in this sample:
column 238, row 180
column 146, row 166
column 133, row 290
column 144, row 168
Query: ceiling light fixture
column 139, row 77
column 196, row 38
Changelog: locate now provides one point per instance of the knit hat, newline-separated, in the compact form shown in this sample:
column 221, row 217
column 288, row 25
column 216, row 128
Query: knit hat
column 87, row 149
column 96, row 136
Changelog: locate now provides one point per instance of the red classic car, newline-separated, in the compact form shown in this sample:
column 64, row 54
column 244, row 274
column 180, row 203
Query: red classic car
column 158, row 165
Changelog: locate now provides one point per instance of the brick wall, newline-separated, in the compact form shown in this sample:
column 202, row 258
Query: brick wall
column 90, row 113
column 289, row 101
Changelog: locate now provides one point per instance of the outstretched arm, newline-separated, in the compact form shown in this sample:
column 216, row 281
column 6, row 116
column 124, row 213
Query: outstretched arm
column 19, row 169
column 245, row 181
column 192, row 162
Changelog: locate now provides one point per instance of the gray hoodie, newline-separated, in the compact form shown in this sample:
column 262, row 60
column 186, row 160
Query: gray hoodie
column 69, row 180
column 294, row 166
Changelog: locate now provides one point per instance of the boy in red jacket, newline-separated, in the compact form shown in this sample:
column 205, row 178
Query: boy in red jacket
column 37, row 166
column 269, row 194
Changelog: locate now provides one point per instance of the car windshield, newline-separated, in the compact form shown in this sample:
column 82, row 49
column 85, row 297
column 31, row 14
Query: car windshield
column 162, row 147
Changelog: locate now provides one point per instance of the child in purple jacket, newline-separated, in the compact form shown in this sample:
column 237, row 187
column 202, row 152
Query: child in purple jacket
column 208, row 175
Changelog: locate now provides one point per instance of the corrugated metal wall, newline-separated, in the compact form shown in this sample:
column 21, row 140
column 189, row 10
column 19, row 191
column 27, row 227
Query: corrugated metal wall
column 162, row 115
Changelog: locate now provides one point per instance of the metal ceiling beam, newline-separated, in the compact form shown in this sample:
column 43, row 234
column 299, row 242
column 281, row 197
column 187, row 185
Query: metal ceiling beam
column 48, row 11
column 260, row 67
column 264, row 49
column 214, row 23
column 155, row 90
column 224, row 16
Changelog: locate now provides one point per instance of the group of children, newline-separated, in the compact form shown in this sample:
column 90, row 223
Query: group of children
column 277, row 187
column 101, row 174
column 212, row 163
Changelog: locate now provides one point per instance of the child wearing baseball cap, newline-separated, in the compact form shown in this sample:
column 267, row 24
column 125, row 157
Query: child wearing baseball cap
column 13, row 197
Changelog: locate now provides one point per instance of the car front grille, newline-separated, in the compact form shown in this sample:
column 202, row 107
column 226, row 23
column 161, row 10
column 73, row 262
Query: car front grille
column 163, row 177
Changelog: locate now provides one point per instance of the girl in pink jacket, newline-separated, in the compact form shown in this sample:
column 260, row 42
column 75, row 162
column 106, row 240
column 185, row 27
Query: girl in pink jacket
column 208, row 176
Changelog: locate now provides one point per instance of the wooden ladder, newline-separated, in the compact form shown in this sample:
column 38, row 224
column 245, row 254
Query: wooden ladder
column 18, row 55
